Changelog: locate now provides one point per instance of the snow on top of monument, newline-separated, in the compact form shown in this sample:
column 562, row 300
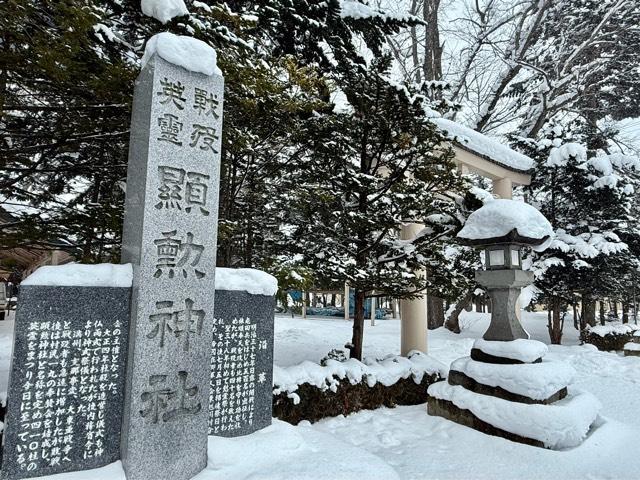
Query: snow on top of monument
column 484, row 146
column 496, row 218
column 78, row 275
column 520, row 349
column 614, row 329
column 563, row 424
column 164, row 10
column 255, row 282
column 632, row 347
column 186, row 52
column 387, row 371
column 533, row 380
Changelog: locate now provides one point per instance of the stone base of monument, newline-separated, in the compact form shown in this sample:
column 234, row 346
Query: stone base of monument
column 632, row 349
column 505, row 389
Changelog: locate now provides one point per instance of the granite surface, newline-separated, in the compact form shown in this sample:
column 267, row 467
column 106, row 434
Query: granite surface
column 241, row 364
column 170, row 230
column 504, row 288
column 66, row 387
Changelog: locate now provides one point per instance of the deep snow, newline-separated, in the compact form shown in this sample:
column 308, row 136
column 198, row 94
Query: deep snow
column 405, row 443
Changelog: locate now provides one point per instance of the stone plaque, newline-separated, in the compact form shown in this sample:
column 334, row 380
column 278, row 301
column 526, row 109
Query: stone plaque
column 66, row 386
column 241, row 364
column 170, row 229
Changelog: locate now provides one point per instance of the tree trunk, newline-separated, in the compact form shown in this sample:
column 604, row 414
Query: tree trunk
column 588, row 312
column 435, row 312
column 625, row 312
column 576, row 319
column 555, row 322
column 602, row 319
column 355, row 348
column 453, row 322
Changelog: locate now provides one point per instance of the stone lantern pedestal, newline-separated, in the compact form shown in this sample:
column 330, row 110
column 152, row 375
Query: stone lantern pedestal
column 503, row 286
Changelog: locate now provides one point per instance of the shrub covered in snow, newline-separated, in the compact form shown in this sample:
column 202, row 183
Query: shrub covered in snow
column 610, row 337
column 310, row 391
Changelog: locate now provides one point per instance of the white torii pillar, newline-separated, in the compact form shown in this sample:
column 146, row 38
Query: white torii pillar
column 413, row 313
column 345, row 301
column 503, row 188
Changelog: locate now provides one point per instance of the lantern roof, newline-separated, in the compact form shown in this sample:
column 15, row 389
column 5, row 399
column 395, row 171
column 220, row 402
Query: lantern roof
column 504, row 221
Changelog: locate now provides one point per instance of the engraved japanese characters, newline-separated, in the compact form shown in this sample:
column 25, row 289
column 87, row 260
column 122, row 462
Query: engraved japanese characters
column 67, row 380
column 170, row 238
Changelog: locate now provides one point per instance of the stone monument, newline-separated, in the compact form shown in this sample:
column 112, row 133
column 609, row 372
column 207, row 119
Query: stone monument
column 66, row 388
column 241, row 398
column 170, row 233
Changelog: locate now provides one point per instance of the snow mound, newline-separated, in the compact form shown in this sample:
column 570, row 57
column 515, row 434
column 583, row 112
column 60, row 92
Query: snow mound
column 534, row 380
column 484, row 146
column 559, row 156
column 499, row 217
column 526, row 351
column 77, row 275
column 186, row 52
column 357, row 10
column 632, row 347
column 563, row 424
column 615, row 329
column 164, row 10
column 255, row 282
column 387, row 372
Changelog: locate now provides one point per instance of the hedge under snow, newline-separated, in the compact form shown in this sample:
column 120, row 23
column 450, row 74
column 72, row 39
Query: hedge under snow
column 386, row 371
column 615, row 329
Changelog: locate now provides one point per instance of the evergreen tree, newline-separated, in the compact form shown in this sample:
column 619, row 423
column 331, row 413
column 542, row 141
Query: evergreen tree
column 366, row 171
column 589, row 199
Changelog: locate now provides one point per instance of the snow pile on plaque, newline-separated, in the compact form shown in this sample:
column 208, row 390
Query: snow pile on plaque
column 77, row 275
column 255, row 282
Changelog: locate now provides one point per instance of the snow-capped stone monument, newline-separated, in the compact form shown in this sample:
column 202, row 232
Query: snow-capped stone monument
column 66, row 389
column 241, row 398
column 170, row 230
column 505, row 388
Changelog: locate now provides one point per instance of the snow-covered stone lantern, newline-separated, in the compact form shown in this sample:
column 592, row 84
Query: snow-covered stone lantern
column 504, row 387
column 502, row 228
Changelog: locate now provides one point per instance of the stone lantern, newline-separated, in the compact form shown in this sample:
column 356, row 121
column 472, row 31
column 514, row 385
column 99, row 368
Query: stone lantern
column 502, row 229
column 504, row 387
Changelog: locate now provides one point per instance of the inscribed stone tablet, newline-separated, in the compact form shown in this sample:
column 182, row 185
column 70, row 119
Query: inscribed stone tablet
column 169, row 236
column 241, row 364
column 66, row 387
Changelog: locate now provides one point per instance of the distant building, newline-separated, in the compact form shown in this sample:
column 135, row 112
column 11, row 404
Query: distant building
column 22, row 261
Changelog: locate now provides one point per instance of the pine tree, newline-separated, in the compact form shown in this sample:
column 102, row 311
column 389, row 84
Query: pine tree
column 589, row 199
column 365, row 172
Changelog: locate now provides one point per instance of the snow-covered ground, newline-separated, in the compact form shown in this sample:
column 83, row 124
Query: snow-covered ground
column 405, row 443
